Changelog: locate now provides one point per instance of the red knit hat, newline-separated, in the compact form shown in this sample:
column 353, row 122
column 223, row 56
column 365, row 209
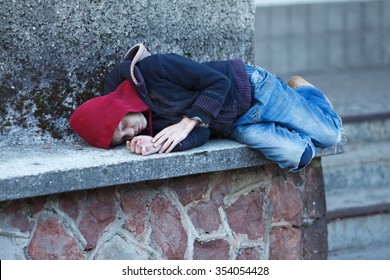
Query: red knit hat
column 96, row 120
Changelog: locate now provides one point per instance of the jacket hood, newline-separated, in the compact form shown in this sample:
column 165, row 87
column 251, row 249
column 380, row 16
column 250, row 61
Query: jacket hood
column 96, row 120
column 135, row 54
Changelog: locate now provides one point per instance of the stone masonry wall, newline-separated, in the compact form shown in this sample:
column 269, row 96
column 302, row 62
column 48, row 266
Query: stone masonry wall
column 254, row 213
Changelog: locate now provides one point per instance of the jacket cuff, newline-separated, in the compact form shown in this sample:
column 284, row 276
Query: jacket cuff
column 186, row 144
column 200, row 114
column 209, row 104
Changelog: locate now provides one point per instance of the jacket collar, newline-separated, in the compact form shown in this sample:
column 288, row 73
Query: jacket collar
column 136, row 53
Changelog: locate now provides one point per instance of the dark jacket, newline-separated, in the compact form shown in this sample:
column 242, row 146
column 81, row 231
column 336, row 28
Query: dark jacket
column 172, row 86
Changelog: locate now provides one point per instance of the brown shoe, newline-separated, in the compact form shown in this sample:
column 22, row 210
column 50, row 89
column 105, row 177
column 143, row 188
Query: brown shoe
column 298, row 81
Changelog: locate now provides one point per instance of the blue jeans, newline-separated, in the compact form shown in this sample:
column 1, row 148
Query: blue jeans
column 283, row 122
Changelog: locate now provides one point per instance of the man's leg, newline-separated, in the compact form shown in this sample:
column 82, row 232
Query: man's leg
column 304, row 109
column 289, row 149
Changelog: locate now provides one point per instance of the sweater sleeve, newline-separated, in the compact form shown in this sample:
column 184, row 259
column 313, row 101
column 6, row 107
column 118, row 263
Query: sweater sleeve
column 179, row 79
column 197, row 137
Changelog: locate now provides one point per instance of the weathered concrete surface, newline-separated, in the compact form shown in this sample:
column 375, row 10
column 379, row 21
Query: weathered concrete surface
column 55, row 54
column 59, row 168
column 54, row 168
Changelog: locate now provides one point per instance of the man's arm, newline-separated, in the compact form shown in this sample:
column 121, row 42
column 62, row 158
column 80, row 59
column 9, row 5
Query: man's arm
column 144, row 144
column 172, row 135
column 173, row 78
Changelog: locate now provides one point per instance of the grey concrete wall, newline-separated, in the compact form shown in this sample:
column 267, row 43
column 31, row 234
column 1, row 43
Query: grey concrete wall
column 319, row 36
column 55, row 54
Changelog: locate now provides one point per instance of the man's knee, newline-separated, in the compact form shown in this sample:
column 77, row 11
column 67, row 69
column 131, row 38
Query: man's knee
column 330, row 138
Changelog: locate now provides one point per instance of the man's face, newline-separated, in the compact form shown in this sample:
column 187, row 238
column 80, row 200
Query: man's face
column 130, row 125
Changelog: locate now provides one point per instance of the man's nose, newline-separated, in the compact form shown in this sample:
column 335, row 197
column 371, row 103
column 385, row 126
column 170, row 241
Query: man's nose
column 129, row 132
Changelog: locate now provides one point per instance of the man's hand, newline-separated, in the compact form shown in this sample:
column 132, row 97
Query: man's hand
column 142, row 145
column 172, row 135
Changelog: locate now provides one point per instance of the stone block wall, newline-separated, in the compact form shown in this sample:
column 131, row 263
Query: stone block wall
column 252, row 213
column 322, row 35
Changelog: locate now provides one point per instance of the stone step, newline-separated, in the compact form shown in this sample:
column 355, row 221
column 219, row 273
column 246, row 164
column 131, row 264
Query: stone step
column 366, row 237
column 373, row 252
column 362, row 166
column 357, row 183
column 367, row 128
column 359, row 202
column 357, row 187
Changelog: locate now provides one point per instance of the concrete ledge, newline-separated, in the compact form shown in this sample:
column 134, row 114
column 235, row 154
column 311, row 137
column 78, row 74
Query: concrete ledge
column 49, row 169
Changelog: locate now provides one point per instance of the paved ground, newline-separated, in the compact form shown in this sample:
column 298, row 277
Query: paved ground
column 354, row 91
